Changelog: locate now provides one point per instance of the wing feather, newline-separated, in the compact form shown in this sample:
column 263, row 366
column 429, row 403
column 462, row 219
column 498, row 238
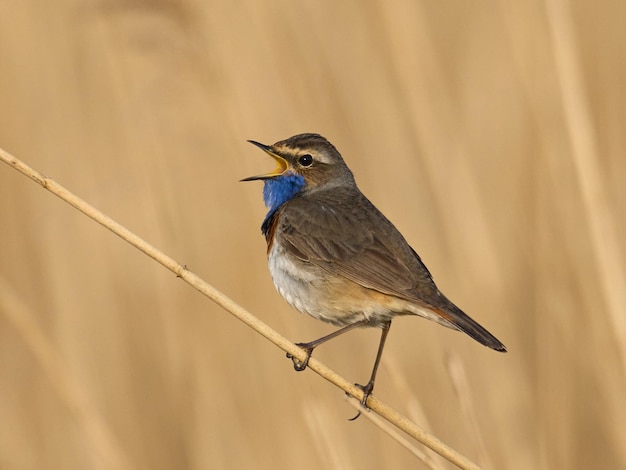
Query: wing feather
column 355, row 240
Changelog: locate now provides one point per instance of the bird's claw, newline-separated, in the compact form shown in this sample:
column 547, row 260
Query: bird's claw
column 367, row 391
column 301, row 365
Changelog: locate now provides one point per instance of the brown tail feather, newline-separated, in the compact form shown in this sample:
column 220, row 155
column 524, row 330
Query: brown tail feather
column 464, row 323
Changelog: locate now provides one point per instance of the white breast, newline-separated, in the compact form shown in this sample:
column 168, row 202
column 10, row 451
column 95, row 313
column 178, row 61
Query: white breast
column 293, row 281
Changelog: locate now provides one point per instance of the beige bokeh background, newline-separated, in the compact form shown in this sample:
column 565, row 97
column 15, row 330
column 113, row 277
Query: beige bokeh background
column 491, row 133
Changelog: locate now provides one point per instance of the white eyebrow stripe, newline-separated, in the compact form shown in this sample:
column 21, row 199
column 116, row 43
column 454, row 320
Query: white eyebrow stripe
column 320, row 157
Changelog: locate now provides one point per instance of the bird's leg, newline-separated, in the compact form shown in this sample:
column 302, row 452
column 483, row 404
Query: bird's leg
column 369, row 387
column 309, row 347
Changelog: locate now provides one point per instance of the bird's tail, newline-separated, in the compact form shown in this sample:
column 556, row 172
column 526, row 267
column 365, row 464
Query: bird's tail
column 462, row 322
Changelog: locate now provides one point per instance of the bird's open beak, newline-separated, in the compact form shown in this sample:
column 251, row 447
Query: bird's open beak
column 281, row 164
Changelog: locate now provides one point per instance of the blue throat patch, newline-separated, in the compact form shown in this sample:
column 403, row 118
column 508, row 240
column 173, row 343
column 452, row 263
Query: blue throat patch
column 281, row 189
column 278, row 191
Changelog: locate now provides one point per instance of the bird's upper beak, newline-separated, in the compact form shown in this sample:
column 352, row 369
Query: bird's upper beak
column 281, row 164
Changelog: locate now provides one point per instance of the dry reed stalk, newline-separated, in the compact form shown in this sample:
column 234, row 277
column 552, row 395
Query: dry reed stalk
column 375, row 405
column 413, row 405
column 395, row 435
column 460, row 383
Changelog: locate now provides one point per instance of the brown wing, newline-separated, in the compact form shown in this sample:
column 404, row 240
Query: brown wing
column 342, row 232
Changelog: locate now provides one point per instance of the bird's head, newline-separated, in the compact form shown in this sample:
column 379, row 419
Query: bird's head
column 304, row 163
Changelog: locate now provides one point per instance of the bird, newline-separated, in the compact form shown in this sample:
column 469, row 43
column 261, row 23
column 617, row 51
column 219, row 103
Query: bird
column 334, row 256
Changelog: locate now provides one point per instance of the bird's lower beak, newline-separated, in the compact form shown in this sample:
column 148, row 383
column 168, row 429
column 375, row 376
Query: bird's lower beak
column 281, row 163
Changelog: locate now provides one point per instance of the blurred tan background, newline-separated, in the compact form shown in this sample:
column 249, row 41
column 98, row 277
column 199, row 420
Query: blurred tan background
column 491, row 133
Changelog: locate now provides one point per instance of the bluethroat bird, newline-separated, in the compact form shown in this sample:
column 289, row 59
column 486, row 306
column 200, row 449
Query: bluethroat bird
column 336, row 257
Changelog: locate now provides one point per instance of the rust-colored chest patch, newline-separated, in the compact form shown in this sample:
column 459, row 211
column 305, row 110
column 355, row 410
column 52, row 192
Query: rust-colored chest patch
column 269, row 228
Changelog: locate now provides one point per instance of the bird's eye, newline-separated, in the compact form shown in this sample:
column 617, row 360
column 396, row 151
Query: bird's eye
column 305, row 160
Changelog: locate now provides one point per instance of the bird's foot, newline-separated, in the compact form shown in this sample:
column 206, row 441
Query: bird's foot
column 301, row 365
column 367, row 391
